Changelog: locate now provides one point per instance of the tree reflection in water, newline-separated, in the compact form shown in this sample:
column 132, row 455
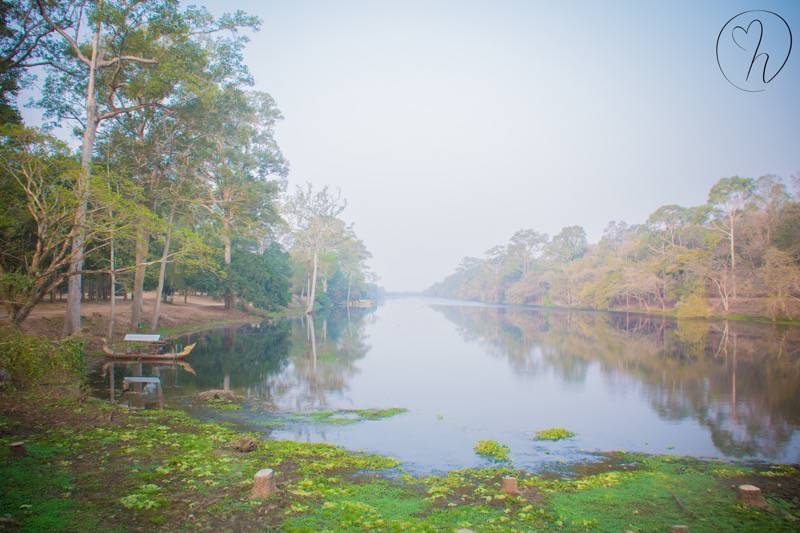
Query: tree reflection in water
column 293, row 365
column 739, row 380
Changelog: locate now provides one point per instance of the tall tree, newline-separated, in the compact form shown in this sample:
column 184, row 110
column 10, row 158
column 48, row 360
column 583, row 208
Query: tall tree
column 115, row 55
column 313, row 216
column 527, row 244
column 37, row 179
column 245, row 169
column 729, row 198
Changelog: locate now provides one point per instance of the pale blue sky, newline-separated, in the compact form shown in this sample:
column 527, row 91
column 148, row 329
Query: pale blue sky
column 449, row 125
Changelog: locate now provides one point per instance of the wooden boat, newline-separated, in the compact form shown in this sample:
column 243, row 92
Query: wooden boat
column 150, row 356
column 164, row 364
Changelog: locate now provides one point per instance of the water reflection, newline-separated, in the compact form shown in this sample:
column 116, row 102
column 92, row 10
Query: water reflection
column 739, row 380
column 321, row 366
column 469, row 372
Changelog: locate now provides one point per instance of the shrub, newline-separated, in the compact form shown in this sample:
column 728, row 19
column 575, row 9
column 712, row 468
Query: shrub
column 28, row 360
column 693, row 305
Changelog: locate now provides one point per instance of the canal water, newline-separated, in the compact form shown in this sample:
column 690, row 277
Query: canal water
column 467, row 372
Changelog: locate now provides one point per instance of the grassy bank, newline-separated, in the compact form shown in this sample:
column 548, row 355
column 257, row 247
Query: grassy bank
column 192, row 327
column 91, row 465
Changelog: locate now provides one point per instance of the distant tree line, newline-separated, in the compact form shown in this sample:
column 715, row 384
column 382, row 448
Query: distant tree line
column 737, row 253
column 178, row 183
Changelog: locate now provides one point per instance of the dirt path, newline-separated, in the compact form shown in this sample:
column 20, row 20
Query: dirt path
column 48, row 318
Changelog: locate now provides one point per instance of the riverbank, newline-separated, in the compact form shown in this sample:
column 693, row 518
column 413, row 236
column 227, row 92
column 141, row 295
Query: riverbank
column 196, row 313
column 92, row 465
column 738, row 314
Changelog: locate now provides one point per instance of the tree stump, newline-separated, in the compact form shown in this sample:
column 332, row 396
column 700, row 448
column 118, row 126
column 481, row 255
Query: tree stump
column 217, row 394
column 509, row 486
column 263, row 484
column 245, row 445
column 17, row 449
column 752, row 497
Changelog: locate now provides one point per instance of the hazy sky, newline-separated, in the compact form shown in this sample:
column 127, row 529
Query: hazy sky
column 449, row 125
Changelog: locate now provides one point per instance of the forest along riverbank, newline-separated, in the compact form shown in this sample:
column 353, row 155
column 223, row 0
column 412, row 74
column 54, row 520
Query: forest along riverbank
column 88, row 464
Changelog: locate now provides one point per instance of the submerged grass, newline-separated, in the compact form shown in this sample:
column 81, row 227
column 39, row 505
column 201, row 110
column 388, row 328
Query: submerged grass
column 93, row 466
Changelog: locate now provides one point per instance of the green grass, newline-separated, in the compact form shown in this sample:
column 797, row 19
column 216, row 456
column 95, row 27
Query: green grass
column 664, row 492
column 554, row 434
column 37, row 492
column 163, row 471
column 186, row 329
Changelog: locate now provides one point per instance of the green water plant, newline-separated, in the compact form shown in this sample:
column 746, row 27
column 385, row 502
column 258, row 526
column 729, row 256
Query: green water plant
column 222, row 404
column 349, row 416
column 554, row 434
column 170, row 472
column 491, row 449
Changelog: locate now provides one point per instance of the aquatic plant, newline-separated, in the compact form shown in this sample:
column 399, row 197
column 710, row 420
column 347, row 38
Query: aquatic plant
column 554, row 434
column 173, row 473
column 492, row 449
column 349, row 416
column 222, row 404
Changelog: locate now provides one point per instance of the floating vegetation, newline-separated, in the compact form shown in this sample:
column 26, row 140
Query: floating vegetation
column 348, row 416
column 173, row 473
column 554, row 434
column 492, row 449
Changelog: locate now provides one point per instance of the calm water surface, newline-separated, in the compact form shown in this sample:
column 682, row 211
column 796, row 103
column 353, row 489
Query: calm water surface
column 468, row 372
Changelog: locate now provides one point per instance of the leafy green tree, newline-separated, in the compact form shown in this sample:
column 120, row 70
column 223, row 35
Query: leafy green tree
column 262, row 279
column 243, row 156
column 569, row 244
column 38, row 176
column 116, row 56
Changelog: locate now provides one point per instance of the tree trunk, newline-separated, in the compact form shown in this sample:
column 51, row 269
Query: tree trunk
column 311, row 293
column 162, row 270
column 733, row 258
column 113, row 292
column 18, row 313
column 140, row 257
column 313, row 339
column 72, row 317
column 226, row 241
column 349, row 284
